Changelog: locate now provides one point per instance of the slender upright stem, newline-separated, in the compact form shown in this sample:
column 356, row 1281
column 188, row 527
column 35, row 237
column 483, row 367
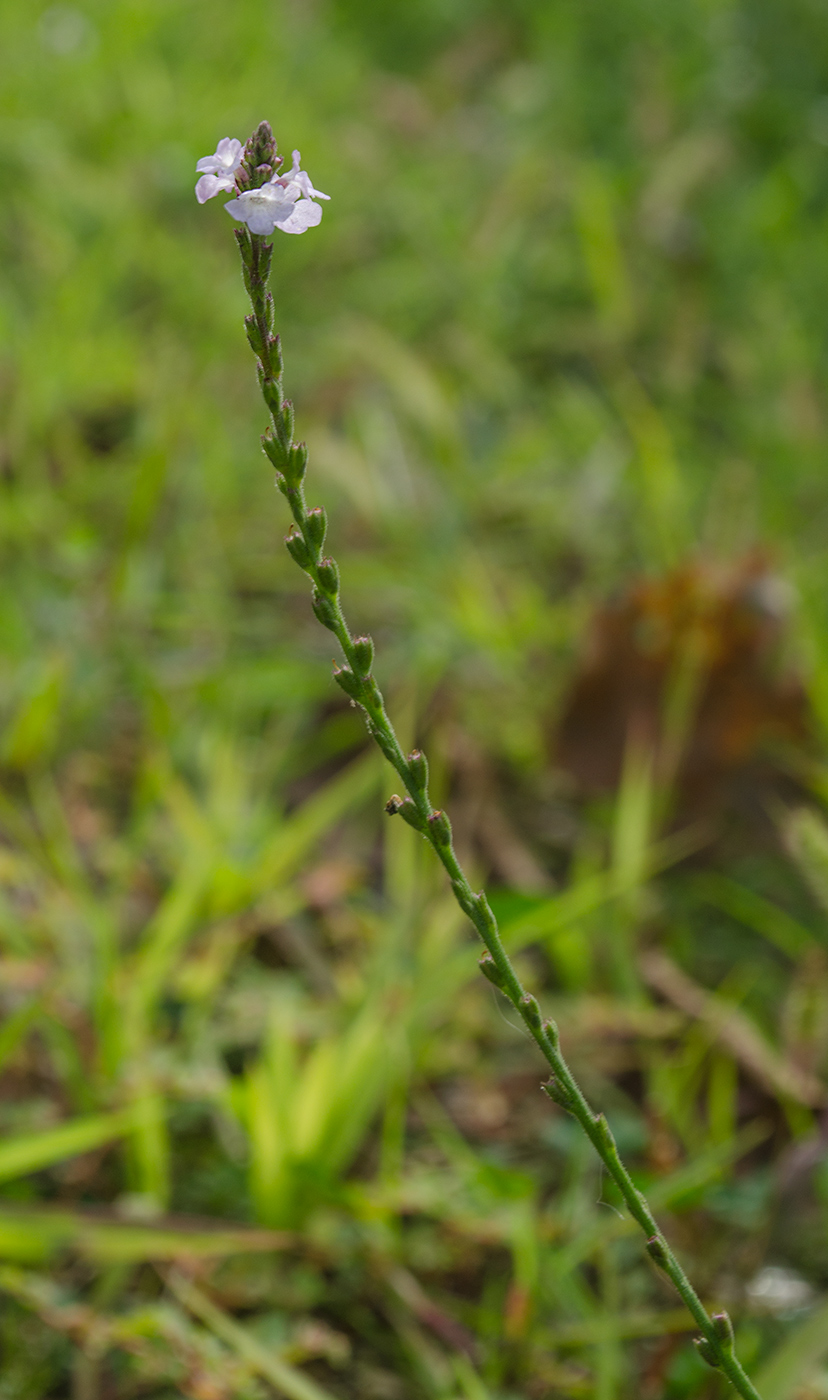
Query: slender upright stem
column 305, row 543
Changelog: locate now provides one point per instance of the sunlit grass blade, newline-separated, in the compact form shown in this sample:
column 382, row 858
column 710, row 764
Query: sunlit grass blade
column 30, row 1235
column 34, row 1151
column 288, row 1380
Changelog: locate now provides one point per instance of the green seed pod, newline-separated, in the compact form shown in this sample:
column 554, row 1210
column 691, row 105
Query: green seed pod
column 274, row 450
column 439, row 830
column 347, row 681
column 272, row 395
column 418, row 770
column 298, row 461
column 489, row 968
column 316, row 525
column 605, row 1134
column 468, row 902
column 723, row 1327
column 297, row 549
column 552, row 1034
column 405, row 808
column 328, row 576
column 287, row 419
column 276, row 340
column 657, row 1251
column 324, row 610
column 706, row 1351
column 557, row 1093
column 530, row 1011
column 363, row 654
column 254, row 336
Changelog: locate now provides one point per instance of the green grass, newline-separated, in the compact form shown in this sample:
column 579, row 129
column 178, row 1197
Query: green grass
column 562, row 326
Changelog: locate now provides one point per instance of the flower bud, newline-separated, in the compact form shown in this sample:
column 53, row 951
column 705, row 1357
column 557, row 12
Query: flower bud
column 328, row 576
column 316, row 525
column 405, row 808
column 287, row 419
column 439, row 830
column 324, row 610
column 347, row 681
column 418, row 769
column 259, row 151
column 298, row 549
column 363, row 654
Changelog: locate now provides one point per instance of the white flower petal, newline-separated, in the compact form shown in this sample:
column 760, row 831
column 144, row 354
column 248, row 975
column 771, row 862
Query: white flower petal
column 211, row 185
column 229, row 150
column 299, row 177
column 303, row 181
column 305, row 214
column 261, row 209
column 226, row 158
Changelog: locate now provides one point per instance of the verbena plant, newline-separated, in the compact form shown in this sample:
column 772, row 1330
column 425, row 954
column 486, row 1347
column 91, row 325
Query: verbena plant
column 265, row 200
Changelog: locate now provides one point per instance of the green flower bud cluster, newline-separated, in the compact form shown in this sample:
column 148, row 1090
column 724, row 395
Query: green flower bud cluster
column 259, row 161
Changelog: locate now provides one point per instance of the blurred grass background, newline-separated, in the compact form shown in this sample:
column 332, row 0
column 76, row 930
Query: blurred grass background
column 559, row 352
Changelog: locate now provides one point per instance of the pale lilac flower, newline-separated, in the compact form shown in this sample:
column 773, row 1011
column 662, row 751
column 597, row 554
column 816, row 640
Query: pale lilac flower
column 219, row 169
column 301, row 179
column 284, row 202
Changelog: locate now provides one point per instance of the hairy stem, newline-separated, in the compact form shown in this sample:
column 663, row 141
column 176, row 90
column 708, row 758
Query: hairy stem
column 306, row 543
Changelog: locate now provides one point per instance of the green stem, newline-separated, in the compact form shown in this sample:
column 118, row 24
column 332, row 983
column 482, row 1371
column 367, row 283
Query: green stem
column 305, row 544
